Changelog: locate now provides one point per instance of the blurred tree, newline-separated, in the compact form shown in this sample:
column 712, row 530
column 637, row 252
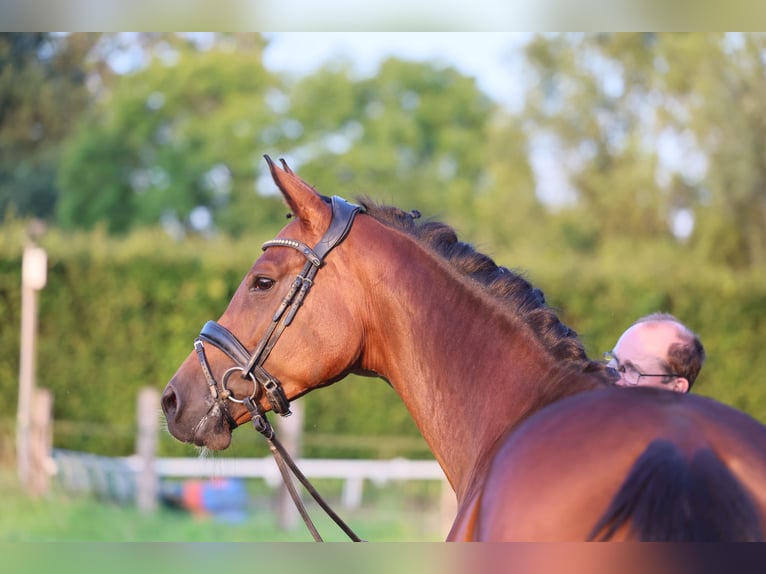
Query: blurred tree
column 416, row 135
column 42, row 93
column 176, row 137
column 658, row 135
column 589, row 110
column 507, row 209
column 718, row 82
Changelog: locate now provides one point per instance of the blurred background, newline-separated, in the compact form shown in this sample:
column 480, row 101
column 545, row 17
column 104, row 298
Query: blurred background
column 622, row 173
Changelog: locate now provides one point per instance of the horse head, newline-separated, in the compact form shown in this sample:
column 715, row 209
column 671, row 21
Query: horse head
column 275, row 341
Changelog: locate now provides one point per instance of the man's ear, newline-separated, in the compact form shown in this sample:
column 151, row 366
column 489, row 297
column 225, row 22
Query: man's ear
column 681, row 385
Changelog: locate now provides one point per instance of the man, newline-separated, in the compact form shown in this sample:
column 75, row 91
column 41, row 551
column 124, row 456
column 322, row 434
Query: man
column 658, row 351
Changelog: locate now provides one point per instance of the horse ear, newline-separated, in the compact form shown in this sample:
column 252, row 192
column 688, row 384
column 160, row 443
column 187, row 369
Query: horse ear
column 284, row 166
column 302, row 199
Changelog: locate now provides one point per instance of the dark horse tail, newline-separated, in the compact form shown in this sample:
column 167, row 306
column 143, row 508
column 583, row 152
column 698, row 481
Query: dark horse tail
column 670, row 498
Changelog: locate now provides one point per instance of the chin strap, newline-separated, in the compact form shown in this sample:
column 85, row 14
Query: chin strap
column 286, row 464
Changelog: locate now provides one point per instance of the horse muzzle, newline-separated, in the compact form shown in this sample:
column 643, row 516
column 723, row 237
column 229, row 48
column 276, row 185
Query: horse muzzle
column 205, row 423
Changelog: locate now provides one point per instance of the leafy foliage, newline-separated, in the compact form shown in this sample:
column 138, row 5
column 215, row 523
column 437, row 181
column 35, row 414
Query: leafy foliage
column 650, row 127
column 395, row 135
column 42, row 93
column 177, row 135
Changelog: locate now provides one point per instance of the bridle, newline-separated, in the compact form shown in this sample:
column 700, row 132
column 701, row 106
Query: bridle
column 250, row 365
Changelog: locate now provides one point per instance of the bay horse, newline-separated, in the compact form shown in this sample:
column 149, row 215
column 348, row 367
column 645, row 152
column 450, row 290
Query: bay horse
column 533, row 436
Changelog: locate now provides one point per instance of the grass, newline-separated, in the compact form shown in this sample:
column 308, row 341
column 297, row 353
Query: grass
column 395, row 512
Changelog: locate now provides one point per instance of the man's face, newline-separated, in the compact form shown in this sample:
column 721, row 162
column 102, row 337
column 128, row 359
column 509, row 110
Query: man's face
column 642, row 350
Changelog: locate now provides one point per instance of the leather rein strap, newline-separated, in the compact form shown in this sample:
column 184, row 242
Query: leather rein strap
column 250, row 365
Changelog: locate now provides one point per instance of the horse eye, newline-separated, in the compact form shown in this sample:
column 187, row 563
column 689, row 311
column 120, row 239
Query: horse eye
column 262, row 283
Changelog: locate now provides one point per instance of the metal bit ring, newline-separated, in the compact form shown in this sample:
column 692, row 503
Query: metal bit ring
column 229, row 395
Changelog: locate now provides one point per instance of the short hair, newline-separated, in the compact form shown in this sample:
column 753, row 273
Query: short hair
column 687, row 355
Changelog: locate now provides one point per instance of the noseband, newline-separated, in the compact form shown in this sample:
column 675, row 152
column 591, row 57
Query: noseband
column 250, row 365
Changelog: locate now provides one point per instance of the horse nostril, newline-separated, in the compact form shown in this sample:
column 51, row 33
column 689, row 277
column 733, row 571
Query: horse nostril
column 169, row 402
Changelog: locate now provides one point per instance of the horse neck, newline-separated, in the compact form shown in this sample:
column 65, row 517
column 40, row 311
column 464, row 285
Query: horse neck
column 466, row 368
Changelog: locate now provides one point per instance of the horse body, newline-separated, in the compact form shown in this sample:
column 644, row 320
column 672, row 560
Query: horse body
column 560, row 470
column 535, row 441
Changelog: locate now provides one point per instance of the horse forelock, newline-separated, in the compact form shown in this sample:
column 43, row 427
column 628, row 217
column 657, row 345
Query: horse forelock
column 505, row 285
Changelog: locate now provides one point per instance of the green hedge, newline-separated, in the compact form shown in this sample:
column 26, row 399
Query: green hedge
column 119, row 315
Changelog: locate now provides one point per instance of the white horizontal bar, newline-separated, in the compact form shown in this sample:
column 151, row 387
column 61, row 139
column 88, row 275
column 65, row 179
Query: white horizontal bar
column 376, row 470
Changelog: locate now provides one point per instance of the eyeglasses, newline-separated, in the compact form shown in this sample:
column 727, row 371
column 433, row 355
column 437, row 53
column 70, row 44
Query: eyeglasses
column 628, row 372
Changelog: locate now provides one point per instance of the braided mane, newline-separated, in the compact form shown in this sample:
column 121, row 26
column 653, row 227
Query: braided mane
column 525, row 300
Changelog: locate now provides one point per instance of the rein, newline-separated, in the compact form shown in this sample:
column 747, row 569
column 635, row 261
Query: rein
column 250, row 365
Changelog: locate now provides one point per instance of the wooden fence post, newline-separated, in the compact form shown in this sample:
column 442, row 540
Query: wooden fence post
column 146, row 448
column 34, row 272
column 40, row 443
column 290, row 431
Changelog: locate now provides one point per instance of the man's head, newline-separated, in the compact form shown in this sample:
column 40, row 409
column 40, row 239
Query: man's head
column 658, row 351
